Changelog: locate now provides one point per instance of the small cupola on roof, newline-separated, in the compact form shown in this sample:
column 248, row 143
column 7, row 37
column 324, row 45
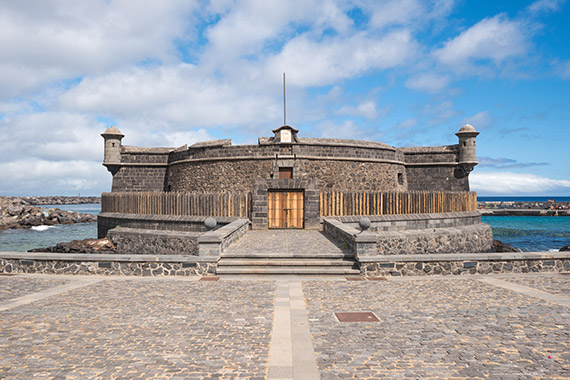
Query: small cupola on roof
column 285, row 135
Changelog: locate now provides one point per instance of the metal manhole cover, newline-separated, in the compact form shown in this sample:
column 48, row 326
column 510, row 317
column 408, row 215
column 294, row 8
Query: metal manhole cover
column 212, row 278
column 354, row 279
column 377, row 279
column 357, row 316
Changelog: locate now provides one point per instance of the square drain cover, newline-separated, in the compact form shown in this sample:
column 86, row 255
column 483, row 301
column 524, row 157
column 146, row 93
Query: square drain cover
column 209, row 278
column 357, row 316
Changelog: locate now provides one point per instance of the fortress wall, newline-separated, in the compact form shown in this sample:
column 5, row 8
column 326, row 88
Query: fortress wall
column 238, row 175
column 141, row 169
column 353, row 175
column 140, row 178
column 434, row 169
column 447, row 153
column 436, row 178
column 230, row 151
column 333, row 151
column 216, row 176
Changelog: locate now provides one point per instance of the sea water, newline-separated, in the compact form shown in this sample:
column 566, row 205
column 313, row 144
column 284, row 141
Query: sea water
column 47, row 236
column 529, row 233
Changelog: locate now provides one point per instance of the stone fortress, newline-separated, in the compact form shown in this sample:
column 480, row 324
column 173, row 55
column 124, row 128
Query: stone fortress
column 413, row 200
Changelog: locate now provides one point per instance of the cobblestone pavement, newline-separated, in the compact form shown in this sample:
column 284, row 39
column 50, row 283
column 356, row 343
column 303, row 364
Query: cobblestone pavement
column 165, row 328
column 13, row 287
column 549, row 284
column 437, row 329
column 284, row 242
column 128, row 329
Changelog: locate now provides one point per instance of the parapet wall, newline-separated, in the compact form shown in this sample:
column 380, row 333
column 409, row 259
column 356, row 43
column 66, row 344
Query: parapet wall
column 333, row 164
column 413, row 234
column 434, row 168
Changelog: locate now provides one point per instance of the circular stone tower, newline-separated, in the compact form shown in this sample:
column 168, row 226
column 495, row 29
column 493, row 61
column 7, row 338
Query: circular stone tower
column 467, row 147
column 112, row 156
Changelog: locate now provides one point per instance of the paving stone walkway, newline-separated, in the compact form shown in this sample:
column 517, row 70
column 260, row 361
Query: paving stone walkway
column 285, row 243
column 94, row 327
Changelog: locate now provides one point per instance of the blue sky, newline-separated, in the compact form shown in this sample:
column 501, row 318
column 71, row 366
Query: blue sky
column 169, row 73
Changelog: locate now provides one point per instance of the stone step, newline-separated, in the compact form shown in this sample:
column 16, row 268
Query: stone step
column 271, row 270
column 284, row 262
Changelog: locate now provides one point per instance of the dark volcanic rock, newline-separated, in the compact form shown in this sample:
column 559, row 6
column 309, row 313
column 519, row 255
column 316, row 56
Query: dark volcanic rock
column 81, row 246
column 566, row 248
column 18, row 213
column 499, row 246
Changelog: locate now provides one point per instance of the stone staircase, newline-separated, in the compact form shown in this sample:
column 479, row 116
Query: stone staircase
column 286, row 252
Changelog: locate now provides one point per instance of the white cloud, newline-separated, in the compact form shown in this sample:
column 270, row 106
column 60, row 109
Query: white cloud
column 53, row 40
column 318, row 63
column 440, row 113
column 173, row 97
column 429, row 82
column 481, row 120
column 398, row 12
column 40, row 177
column 490, row 40
column 50, row 136
column 508, row 183
column 408, row 123
column 545, row 5
column 347, row 130
column 366, row 109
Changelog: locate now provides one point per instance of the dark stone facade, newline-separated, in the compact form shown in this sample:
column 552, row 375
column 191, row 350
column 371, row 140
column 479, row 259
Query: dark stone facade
column 321, row 164
column 231, row 175
column 331, row 164
column 108, row 266
column 464, row 267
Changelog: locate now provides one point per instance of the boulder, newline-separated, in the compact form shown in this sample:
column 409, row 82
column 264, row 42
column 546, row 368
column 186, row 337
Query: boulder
column 81, row 246
column 566, row 248
column 499, row 246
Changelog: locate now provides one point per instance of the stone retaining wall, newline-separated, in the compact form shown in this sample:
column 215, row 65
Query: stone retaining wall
column 476, row 238
column 131, row 241
column 107, row 221
column 387, row 223
column 408, row 235
column 113, row 265
column 416, row 265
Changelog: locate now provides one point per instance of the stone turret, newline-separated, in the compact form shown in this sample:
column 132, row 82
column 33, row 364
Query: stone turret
column 467, row 147
column 113, row 139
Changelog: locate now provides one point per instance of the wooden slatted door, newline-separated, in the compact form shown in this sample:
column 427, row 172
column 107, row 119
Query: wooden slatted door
column 285, row 209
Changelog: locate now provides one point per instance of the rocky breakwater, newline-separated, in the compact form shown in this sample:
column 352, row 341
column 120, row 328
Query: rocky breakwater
column 81, row 246
column 60, row 200
column 20, row 213
column 508, row 208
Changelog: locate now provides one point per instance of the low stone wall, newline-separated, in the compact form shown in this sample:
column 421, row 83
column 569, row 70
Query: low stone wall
column 464, row 264
column 213, row 243
column 340, row 232
column 107, row 221
column 476, row 238
column 132, row 241
column 115, row 265
column 387, row 223
column 407, row 235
